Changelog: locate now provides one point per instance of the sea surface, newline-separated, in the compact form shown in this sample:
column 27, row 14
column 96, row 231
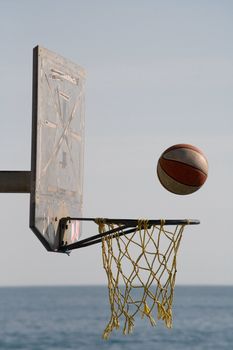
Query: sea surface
column 62, row 318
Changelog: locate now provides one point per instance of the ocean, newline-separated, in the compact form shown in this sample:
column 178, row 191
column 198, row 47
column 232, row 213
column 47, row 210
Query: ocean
column 49, row 318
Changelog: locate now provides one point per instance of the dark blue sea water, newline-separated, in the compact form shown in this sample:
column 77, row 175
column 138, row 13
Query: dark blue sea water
column 62, row 318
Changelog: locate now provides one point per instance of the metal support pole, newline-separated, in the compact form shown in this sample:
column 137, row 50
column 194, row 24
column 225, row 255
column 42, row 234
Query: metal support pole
column 15, row 181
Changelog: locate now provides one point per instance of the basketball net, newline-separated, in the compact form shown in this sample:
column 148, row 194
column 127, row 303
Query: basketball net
column 141, row 271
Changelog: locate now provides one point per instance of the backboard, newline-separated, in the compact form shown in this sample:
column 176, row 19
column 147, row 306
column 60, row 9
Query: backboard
column 57, row 146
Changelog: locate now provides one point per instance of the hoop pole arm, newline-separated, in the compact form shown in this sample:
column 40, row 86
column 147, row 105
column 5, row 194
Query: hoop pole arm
column 97, row 238
column 15, row 181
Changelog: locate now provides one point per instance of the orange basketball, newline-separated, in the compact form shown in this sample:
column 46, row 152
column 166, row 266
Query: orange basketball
column 182, row 169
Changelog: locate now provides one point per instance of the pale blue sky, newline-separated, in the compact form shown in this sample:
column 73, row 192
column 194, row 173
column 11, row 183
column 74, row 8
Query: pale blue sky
column 158, row 73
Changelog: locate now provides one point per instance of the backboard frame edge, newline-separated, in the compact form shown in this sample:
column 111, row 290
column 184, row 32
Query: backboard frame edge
column 34, row 147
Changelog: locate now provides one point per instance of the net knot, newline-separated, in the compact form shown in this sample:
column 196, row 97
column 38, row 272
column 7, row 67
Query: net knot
column 101, row 224
column 162, row 222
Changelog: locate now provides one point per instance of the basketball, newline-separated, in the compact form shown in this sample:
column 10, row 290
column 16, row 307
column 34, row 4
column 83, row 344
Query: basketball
column 182, row 169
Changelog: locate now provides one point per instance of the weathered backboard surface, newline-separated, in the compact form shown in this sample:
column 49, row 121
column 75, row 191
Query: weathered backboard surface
column 57, row 146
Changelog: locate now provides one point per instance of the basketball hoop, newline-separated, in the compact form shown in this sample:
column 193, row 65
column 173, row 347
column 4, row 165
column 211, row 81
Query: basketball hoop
column 139, row 257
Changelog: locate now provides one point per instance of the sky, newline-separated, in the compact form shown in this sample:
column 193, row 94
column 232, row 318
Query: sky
column 158, row 73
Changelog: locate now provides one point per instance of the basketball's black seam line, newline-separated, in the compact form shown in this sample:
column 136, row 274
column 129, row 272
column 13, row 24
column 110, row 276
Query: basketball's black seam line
column 181, row 183
column 168, row 189
column 191, row 166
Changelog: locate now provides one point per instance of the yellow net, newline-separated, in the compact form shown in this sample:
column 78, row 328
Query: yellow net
column 141, row 271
